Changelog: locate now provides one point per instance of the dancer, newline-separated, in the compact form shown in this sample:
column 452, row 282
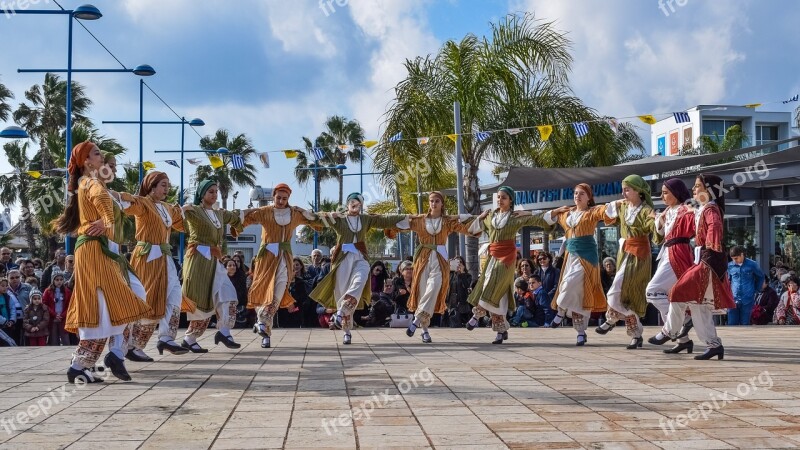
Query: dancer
column 102, row 303
column 674, row 228
column 152, row 260
column 346, row 287
column 206, row 286
column 274, row 267
column 626, row 298
column 431, row 272
column 579, row 289
column 704, row 287
column 494, row 292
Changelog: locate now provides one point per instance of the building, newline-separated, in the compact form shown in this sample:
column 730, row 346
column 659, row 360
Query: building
column 669, row 138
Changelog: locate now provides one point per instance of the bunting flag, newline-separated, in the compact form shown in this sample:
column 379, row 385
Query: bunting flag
column 290, row 154
column 423, row 140
column 581, row 129
column 264, row 157
column 793, row 99
column 752, row 105
column 237, row 162
column 453, row 137
column 34, row 173
column 147, row 165
column 194, row 161
column 369, row 144
column 545, row 131
column 396, row 137
column 681, row 117
column 319, row 153
column 481, row 136
column 513, row 131
column 648, row 119
column 172, row 162
column 216, row 162
column 343, row 147
column 614, row 124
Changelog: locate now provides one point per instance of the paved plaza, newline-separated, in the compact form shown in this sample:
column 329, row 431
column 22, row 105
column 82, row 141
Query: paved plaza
column 390, row 391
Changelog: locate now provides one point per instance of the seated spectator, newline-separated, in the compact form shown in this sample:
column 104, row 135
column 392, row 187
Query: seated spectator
column 8, row 314
column 402, row 284
column 526, row 305
column 544, row 313
column 778, row 283
column 764, row 307
column 377, row 277
column 56, row 298
column 36, row 321
column 524, row 270
column 788, row 310
column 382, row 307
column 325, row 316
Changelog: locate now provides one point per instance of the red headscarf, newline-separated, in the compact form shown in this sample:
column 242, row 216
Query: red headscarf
column 150, row 181
column 282, row 187
column 79, row 154
column 588, row 189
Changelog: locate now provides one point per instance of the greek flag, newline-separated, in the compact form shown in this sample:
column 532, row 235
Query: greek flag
column 396, row 137
column 793, row 99
column 172, row 162
column 319, row 153
column 581, row 129
column 681, row 117
column 481, row 136
column 237, row 162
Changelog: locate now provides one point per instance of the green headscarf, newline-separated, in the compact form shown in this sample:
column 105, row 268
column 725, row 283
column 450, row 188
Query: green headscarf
column 356, row 196
column 638, row 184
column 202, row 188
column 511, row 194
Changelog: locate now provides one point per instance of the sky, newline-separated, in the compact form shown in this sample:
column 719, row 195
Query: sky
column 276, row 69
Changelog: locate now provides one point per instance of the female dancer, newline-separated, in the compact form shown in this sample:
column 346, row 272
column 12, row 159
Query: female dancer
column 102, row 303
column 206, row 287
column 346, row 286
column 152, row 260
column 674, row 228
column 431, row 271
column 273, row 264
column 579, row 289
column 704, row 287
column 494, row 292
column 626, row 298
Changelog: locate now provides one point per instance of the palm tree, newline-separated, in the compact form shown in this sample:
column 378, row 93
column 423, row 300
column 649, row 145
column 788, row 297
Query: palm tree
column 5, row 108
column 341, row 140
column 225, row 175
column 14, row 188
column 325, row 237
column 516, row 78
column 734, row 139
column 304, row 170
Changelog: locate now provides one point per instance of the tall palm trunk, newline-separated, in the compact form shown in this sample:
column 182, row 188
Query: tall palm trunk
column 472, row 205
column 341, row 190
column 27, row 218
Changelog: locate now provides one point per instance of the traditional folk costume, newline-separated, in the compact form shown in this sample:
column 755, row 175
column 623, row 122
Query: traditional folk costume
column 346, row 287
column 705, row 287
column 273, row 263
column 579, row 289
column 431, row 272
column 494, row 292
column 152, row 260
column 626, row 298
column 674, row 228
column 206, row 287
column 102, row 303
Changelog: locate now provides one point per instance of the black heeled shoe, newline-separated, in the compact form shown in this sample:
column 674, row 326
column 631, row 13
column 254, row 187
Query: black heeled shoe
column 226, row 340
column 554, row 324
column 635, row 343
column 83, row 376
column 171, row 348
column 257, row 330
column 719, row 352
column 426, row 338
column 132, row 356
column 684, row 330
column 498, row 340
column 505, row 335
column 655, row 341
column 688, row 346
column 470, row 327
column 117, row 366
column 582, row 340
column 194, row 348
column 411, row 330
column 601, row 330
column 265, row 342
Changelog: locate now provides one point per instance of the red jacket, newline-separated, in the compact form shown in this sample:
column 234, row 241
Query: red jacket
column 49, row 299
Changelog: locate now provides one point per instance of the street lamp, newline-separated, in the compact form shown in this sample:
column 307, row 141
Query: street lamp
column 14, row 132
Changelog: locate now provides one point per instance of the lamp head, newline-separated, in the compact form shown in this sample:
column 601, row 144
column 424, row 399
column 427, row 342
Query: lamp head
column 223, row 151
column 196, row 122
column 144, row 70
column 14, row 132
column 87, row 12
column 340, row 167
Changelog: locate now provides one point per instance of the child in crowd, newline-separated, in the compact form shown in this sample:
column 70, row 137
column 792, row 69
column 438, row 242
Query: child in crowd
column 36, row 319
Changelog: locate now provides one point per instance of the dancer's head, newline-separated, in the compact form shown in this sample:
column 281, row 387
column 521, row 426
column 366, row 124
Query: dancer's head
column 206, row 193
column 354, row 203
column 280, row 195
column 636, row 190
column 505, row 198
column 108, row 172
column 436, row 203
column 708, row 188
column 86, row 159
column 155, row 184
column 583, row 196
column 674, row 192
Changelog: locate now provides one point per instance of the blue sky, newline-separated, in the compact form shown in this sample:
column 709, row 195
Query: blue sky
column 276, row 69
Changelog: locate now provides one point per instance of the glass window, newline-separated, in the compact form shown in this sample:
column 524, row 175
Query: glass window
column 711, row 127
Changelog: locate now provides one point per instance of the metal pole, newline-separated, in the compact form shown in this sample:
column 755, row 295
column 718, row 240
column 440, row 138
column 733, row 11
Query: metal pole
column 459, row 175
column 67, row 239
column 182, row 241
column 316, row 202
column 141, row 129
column 361, row 169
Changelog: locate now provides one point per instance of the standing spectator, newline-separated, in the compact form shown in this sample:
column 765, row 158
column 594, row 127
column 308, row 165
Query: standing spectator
column 524, row 270
column 299, row 288
column 239, row 280
column 401, row 285
column 69, row 270
column 21, row 293
column 38, row 268
column 526, row 304
column 8, row 314
column 766, row 302
column 378, row 276
column 239, row 256
column 608, row 273
column 5, row 259
column 317, row 270
column 27, row 270
column 746, row 279
column 36, row 321
column 58, row 265
column 33, row 282
column 549, row 276
column 788, row 310
column 460, row 288
column 56, row 297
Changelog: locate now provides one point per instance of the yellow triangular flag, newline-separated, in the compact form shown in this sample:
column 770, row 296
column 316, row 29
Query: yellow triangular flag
column 423, row 140
column 290, row 153
column 752, row 105
column 147, row 165
column 545, row 131
column 648, row 119
column 34, row 173
column 369, row 144
column 453, row 137
column 216, row 162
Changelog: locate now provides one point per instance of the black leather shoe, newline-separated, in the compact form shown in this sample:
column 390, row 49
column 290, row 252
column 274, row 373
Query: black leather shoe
column 226, row 341
column 132, row 356
column 426, row 338
column 719, row 352
column 257, row 330
column 498, row 341
column 83, row 376
column 655, row 341
column 470, row 327
column 117, row 366
column 505, row 335
column 684, row 330
column 635, row 343
column 688, row 346
column 601, row 330
column 582, row 340
column 411, row 330
column 553, row 324
column 265, row 342
column 194, row 348
column 172, row 348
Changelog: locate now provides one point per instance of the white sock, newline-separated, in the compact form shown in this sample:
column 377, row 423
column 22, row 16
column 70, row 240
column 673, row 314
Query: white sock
column 660, row 335
column 76, row 366
column 225, row 331
column 166, row 339
column 191, row 340
column 424, row 329
column 474, row 321
column 499, row 336
column 557, row 319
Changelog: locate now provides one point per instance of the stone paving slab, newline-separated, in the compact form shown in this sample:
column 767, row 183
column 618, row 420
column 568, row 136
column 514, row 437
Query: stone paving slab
column 389, row 391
